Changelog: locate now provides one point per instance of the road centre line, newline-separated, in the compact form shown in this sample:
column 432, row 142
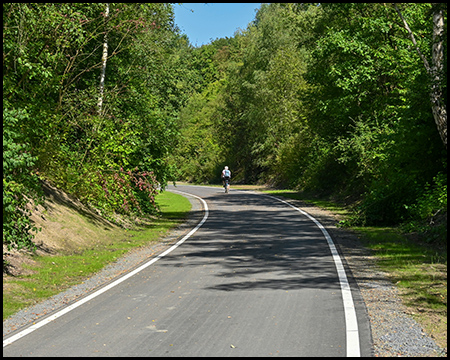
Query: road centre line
column 351, row 324
column 36, row 326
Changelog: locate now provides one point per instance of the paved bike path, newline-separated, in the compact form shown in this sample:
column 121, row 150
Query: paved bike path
column 256, row 279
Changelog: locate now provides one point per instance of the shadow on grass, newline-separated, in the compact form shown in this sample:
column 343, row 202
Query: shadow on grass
column 419, row 271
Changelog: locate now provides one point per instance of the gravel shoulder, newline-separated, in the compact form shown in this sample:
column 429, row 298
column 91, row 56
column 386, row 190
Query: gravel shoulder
column 394, row 332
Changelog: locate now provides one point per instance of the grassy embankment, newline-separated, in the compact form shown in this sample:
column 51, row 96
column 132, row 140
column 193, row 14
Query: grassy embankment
column 48, row 274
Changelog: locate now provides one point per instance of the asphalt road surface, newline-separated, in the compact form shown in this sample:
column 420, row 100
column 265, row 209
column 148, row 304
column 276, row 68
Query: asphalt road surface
column 256, row 278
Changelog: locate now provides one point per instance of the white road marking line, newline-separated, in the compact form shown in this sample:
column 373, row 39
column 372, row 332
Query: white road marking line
column 351, row 323
column 352, row 334
column 36, row 326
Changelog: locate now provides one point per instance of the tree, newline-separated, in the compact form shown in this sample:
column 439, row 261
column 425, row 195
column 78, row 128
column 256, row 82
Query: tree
column 20, row 183
column 112, row 154
column 104, row 58
column 367, row 105
column 323, row 97
column 435, row 72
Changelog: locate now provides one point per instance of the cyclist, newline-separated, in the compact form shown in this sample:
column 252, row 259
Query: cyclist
column 226, row 175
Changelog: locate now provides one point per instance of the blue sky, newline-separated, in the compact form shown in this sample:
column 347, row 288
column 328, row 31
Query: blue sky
column 213, row 20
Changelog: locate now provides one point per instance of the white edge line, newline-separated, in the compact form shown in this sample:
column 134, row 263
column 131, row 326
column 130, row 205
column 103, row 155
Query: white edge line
column 36, row 326
column 351, row 324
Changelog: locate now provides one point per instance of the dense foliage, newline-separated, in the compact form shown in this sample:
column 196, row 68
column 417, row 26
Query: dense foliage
column 109, row 148
column 19, row 183
column 331, row 98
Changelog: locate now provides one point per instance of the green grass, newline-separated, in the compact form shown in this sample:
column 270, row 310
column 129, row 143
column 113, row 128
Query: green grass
column 335, row 208
column 419, row 271
column 53, row 274
column 173, row 206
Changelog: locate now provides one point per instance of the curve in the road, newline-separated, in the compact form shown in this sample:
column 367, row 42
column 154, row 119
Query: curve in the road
column 36, row 326
column 351, row 324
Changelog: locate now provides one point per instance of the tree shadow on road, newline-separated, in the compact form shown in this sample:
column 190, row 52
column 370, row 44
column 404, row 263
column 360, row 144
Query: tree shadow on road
column 259, row 243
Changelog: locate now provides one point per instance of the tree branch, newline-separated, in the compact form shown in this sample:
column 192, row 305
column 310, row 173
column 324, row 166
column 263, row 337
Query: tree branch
column 413, row 39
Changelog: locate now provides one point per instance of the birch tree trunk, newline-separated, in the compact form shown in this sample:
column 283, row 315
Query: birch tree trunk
column 104, row 57
column 436, row 70
column 437, row 73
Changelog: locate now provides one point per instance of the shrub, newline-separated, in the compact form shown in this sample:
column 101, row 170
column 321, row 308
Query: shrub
column 20, row 183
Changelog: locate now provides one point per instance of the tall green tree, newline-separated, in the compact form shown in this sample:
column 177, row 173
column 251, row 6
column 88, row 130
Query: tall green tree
column 112, row 159
column 436, row 70
column 329, row 97
column 369, row 107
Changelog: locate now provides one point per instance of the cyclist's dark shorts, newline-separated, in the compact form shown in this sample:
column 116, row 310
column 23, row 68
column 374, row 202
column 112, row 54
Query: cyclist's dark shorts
column 226, row 178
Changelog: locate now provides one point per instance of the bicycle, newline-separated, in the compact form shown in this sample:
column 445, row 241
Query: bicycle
column 226, row 185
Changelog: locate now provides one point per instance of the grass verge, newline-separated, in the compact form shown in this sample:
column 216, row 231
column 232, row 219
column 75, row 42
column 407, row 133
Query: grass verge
column 50, row 275
column 418, row 270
